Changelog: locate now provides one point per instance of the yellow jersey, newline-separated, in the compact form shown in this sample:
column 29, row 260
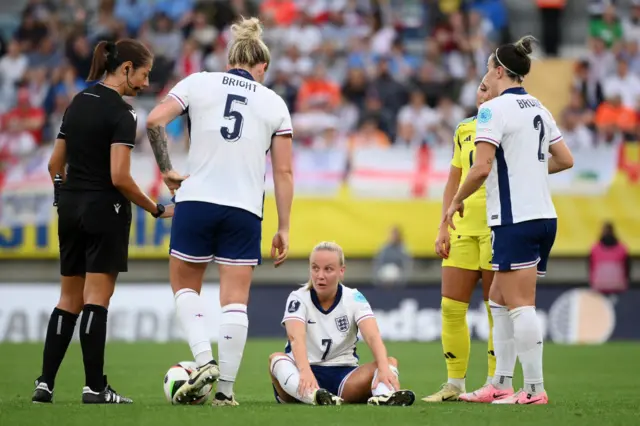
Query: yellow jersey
column 474, row 222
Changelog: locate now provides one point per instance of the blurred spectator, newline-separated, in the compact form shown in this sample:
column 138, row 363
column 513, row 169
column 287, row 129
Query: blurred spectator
column 355, row 87
column 580, row 110
column 282, row 86
column 304, row 35
column 201, row 31
column 330, row 137
column 602, row 62
column 30, row 32
column 392, row 265
column 12, row 68
column 609, row 263
column 376, row 109
column 190, row 59
column 284, row 11
column 133, row 13
column 607, row 28
column 15, row 142
column 79, row 54
column 25, row 117
column 624, row 83
column 550, row 17
column 407, row 136
column 631, row 23
column 613, row 115
column 38, row 86
column 575, row 134
column 631, row 54
column 467, row 96
column 369, row 135
column 47, row 54
column 587, row 85
column 387, row 88
column 316, row 87
column 422, row 118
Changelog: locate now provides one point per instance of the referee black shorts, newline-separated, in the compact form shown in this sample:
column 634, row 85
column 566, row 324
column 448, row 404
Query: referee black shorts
column 93, row 231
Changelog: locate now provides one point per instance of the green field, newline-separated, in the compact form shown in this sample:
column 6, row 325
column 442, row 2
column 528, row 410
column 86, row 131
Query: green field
column 587, row 385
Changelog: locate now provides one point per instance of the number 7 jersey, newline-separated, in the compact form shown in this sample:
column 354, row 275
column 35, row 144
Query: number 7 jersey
column 522, row 130
column 231, row 121
column 332, row 334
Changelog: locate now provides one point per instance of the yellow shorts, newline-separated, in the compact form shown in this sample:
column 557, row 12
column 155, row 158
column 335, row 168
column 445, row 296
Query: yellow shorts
column 473, row 253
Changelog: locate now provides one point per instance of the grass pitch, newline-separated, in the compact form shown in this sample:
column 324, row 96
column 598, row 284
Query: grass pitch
column 587, row 385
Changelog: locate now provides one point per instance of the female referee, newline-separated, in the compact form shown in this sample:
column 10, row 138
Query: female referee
column 514, row 136
column 90, row 167
column 466, row 255
column 320, row 364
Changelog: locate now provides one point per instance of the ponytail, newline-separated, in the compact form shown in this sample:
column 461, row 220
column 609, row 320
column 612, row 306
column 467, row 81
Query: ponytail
column 108, row 56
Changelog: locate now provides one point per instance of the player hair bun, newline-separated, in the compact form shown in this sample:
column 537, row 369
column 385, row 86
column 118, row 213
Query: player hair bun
column 524, row 46
column 247, row 29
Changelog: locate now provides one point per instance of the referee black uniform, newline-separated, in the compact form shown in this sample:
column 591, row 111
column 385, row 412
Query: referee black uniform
column 94, row 218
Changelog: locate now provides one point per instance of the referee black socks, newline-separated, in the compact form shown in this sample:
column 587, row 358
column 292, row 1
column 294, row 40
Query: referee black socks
column 59, row 334
column 93, row 335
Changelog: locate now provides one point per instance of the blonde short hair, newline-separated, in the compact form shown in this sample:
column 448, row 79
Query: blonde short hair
column 247, row 47
column 327, row 246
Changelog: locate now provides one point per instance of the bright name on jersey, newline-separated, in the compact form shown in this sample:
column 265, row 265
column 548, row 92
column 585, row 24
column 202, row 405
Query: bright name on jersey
column 235, row 82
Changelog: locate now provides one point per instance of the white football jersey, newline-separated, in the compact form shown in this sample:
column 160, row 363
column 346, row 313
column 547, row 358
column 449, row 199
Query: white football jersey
column 232, row 119
column 522, row 129
column 332, row 334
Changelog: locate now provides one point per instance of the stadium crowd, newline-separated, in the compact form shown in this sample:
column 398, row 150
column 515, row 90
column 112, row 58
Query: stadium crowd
column 353, row 72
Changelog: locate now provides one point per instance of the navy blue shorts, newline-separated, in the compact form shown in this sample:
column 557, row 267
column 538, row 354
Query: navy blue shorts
column 329, row 378
column 523, row 245
column 202, row 232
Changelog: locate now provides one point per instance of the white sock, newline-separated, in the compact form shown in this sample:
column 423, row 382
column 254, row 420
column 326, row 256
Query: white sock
column 287, row 374
column 191, row 314
column 528, row 338
column 459, row 383
column 231, row 341
column 383, row 389
column 504, row 346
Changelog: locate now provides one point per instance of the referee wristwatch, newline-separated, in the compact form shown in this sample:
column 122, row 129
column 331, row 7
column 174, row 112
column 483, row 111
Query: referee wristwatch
column 160, row 211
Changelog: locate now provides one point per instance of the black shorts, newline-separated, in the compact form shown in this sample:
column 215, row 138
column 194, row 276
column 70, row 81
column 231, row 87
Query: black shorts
column 93, row 230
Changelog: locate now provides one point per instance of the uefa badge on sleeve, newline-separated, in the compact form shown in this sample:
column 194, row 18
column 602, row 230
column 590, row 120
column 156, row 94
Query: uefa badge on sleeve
column 484, row 115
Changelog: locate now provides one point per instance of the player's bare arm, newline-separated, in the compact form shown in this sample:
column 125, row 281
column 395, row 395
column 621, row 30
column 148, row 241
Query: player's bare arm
column 371, row 334
column 561, row 158
column 478, row 173
column 58, row 160
column 157, row 122
column 282, row 160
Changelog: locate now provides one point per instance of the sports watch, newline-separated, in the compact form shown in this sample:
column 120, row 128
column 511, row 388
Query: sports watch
column 160, row 211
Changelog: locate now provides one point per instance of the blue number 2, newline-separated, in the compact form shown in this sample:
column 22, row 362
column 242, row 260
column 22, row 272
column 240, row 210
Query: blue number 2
column 232, row 135
column 538, row 124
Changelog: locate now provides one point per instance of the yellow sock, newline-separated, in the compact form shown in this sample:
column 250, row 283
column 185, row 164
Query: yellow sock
column 455, row 337
column 490, row 352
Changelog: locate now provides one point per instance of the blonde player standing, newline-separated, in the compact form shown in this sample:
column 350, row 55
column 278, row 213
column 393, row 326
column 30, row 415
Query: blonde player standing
column 466, row 255
column 514, row 137
column 320, row 363
column 234, row 122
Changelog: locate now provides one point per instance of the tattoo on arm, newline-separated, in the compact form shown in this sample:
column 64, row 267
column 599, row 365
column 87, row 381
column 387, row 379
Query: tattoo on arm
column 490, row 160
column 159, row 143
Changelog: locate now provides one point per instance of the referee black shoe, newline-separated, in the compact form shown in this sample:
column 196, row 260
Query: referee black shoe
column 107, row 396
column 42, row 394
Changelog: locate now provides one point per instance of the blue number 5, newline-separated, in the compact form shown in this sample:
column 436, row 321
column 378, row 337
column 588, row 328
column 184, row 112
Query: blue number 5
column 232, row 135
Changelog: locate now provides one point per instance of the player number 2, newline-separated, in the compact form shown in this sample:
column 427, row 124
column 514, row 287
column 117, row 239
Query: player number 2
column 327, row 343
column 233, row 134
column 538, row 124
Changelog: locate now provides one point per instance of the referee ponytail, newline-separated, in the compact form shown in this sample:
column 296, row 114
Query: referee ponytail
column 108, row 56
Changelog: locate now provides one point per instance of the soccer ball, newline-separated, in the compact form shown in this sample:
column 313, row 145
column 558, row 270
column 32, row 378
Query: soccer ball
column 176, row 376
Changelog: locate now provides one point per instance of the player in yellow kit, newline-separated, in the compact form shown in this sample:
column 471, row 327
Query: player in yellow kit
column 466, row 254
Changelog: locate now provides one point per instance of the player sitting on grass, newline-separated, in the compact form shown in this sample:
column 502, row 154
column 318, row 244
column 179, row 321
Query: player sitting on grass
column 320, row 364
